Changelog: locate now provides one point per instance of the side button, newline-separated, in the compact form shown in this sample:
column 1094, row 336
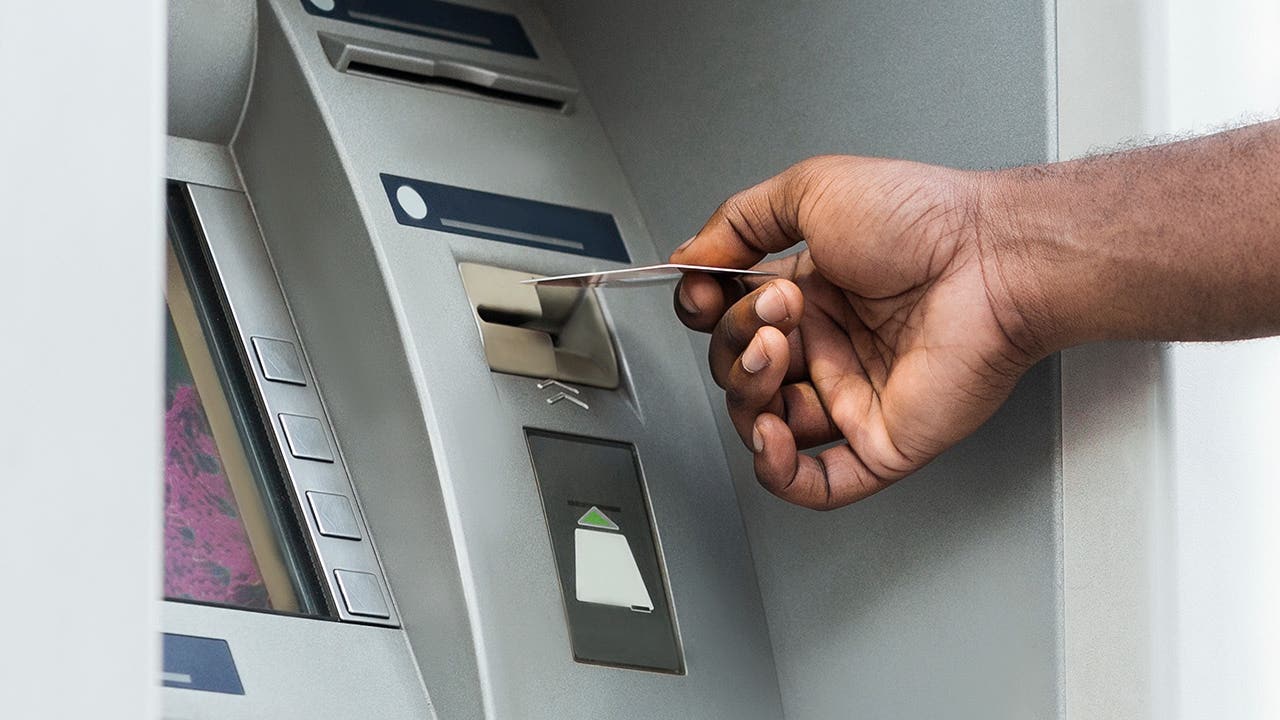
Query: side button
column 279, row 361
column 333, row 515
column 362, row 593
column 307, row 438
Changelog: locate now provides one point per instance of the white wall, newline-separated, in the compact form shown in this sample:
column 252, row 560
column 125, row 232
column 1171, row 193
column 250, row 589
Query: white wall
column 1223, row 61
column 1225, row 447
column 1171, row 455
column 81, row 123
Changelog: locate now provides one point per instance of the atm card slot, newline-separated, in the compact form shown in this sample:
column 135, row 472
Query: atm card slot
column 438, row 72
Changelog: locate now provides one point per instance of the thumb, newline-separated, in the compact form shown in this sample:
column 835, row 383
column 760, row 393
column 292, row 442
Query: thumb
column 757, row 221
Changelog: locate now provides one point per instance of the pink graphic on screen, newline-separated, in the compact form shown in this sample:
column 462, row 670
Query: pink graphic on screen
column 207, row 552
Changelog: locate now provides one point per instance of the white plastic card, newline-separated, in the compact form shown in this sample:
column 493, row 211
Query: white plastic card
column 645, row 275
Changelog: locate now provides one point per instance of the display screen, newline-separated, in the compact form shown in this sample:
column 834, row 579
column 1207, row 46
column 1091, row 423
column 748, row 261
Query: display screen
column 207, row 551
column 229, row 537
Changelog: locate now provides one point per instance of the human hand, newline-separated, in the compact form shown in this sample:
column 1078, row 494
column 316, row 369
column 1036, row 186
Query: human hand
column 893, row 330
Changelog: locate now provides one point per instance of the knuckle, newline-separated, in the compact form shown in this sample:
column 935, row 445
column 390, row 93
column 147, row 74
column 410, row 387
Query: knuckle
column 812, row 167
column 727, row 330
column 751, row 215
column 736, row 396
column 737, row 204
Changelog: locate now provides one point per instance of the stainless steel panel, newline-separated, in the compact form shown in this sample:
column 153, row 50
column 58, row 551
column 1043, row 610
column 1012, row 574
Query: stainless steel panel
column 394, row 346
column 299, row 669
column 210, row 66
column 306, row 437
column 362, row 593
column 333, row 515
column 278, row 360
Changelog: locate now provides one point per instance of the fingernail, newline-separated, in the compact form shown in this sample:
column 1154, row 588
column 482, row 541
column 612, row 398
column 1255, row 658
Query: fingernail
column 684, row 245
column 770, row 306
column 686, row 301
column 754, row 358
column 757, row 440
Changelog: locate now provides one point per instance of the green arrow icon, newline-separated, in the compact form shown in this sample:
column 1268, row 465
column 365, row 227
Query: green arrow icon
column 595, row 518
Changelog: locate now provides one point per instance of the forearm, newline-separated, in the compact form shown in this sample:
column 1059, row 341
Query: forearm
column 1174, row 242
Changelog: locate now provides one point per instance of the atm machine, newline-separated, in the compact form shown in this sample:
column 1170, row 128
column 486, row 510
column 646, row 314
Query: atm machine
column 402, row 484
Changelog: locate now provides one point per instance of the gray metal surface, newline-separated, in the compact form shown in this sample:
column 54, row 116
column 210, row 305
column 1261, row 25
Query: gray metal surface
column 353, row 340
column 306, row 437
column 939, row 597
column 434, row 439
column 362, row 593
column 200, row 162
column 291, row 667
column 278, row 361
column 256, row 308
column 333, row 514
column 299, row 669
column 210, row 62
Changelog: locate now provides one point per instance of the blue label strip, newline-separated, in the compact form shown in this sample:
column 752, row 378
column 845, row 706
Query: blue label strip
column 490, row 216
column 436, row 20
column 200, row 663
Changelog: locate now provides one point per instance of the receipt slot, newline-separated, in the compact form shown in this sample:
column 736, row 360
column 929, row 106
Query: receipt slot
column 611, row 576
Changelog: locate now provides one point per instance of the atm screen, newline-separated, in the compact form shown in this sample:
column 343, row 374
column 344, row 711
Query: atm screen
column 208, row 553
column 226, row 531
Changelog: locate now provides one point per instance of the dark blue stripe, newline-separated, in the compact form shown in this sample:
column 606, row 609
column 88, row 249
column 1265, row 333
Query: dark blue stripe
column 436, row 20
column 207, row 660
column 569, row 230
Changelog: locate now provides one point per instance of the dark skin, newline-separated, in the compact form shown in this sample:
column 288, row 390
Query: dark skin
column 924, row 293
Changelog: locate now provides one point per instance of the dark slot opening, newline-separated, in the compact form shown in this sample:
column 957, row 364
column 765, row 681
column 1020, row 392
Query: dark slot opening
column 498, row 317
column 410, row 77
column 609, row 508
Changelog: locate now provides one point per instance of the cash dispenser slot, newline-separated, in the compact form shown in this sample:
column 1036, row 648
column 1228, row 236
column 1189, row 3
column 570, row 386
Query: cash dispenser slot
column 611, row 577
column 439, row 72
column 543, row 332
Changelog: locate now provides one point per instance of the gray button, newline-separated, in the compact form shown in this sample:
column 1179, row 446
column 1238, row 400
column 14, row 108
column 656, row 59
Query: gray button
column 307, row 438
column 362, row 593
column 279, row 361
column 333, row 515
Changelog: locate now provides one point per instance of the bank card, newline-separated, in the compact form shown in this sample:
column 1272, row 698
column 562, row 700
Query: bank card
column 643, row 275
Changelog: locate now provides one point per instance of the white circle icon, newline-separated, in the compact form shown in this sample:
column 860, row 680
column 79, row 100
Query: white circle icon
column 325, row 5
column 411, row 202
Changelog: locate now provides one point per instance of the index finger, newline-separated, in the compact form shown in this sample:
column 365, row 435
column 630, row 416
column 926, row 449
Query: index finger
column 753, row 223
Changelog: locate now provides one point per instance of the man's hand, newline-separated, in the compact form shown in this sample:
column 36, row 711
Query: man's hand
column 891, row 331
column 924, row 292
